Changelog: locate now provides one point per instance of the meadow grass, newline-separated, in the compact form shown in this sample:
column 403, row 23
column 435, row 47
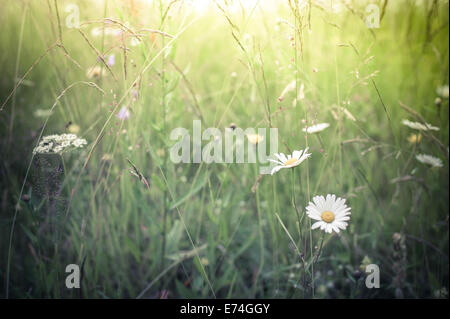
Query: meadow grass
column 141, row 226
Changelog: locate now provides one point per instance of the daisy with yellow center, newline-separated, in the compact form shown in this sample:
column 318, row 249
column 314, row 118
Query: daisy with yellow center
column 331, row 213
column 293, row 160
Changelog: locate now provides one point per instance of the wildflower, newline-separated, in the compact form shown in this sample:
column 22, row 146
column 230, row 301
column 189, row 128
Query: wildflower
column 123, row 113
column 79, row 142
column 420, row 126
column 316, row 128
column 438, row 101
column 331, row 214
column 58, row 144
column 255, row 138
column 290, row 161
column 415, row 138
column 430, row 160
column 111, row 60
column 443, row 91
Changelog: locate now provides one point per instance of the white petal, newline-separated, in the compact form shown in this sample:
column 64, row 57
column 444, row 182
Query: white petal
column 276, row 169
column 314, row 216
column 297, row 154
column 283, row 157
column 278, row 156
column 341, row 219
column 319, row 201
column 317, row 224
column 312, row 209
column 304, row 157
column 335, row 228
column 342, row 225
column 275, row 161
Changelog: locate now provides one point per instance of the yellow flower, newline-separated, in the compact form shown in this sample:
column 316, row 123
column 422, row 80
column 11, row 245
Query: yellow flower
column 415, row 138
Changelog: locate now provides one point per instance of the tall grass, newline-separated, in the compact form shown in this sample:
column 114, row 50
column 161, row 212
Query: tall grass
column 140, row 226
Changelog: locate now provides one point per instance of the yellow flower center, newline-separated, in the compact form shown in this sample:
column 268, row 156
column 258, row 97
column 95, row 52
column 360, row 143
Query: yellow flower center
column 327, row 216
column 290, row 161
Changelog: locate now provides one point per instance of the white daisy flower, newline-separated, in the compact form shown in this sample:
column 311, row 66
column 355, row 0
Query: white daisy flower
column 331, row 214
column 430, row 160
column 316, row 128
column 290, row 161
column 420, row 126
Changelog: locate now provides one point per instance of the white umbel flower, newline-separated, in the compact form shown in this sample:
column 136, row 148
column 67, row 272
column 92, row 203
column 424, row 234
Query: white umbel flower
column 290, row 161
column 420, row 126
column 316, row 128
column 430, row 160
column 331, row 213
column 58, row 144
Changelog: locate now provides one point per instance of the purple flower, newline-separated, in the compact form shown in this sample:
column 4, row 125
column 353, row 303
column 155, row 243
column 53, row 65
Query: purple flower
column 111, row 59
column 123, row 113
